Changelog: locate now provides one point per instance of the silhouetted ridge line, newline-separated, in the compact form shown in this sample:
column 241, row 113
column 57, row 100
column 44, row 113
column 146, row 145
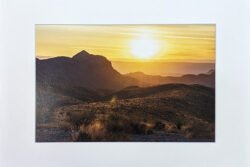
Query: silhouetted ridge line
column 82, row 70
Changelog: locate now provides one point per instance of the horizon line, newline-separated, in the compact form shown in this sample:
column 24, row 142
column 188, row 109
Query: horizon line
column 140, row 61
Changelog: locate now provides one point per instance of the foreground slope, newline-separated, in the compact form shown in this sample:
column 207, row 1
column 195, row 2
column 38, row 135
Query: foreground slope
column 171, row 112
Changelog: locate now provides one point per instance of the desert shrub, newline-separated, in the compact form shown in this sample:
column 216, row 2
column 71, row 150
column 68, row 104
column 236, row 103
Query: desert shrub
column 79, row 118
column 137, row 128
column 117, row 123
column 94, row 130
column 159, row 126
column 91, row 132
column 179, row 125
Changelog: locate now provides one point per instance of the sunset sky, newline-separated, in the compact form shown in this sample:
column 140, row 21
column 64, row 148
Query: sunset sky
column 176, row 43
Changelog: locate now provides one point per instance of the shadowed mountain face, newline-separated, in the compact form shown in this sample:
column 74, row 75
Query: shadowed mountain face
column 207, row 79
column 83, row 70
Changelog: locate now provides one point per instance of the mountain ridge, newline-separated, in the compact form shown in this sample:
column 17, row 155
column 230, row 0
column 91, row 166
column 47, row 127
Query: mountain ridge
column 206, row 79
column 96, row 72
column 83, row 69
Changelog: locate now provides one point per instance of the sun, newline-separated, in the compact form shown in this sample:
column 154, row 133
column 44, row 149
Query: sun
column 144, row 47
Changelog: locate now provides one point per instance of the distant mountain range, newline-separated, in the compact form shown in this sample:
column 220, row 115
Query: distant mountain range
column 95, row 72
column 163, row 68
column 207, row 79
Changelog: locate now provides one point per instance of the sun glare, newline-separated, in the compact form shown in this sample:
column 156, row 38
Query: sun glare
column 144, row 47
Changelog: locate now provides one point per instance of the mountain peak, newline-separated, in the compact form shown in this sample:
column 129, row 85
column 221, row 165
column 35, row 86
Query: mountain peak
column 92, row 61
column 85, row 56
column 82, row 70
column 81, row 54
column 84, row 52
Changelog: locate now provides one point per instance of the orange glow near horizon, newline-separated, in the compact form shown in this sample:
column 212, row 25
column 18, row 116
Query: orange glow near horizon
column 178, row 43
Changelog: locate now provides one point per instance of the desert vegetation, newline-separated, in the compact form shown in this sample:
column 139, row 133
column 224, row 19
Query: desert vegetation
column 172, row 112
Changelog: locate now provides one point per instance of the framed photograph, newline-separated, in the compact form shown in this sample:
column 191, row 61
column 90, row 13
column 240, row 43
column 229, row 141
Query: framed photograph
column 124, row 83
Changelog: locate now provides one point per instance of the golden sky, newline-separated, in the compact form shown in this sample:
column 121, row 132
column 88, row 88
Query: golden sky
column 178, row 43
